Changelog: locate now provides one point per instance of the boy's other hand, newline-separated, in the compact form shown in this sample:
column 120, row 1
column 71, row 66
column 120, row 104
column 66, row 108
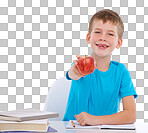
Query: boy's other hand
column 74, row 72
column 85, row 119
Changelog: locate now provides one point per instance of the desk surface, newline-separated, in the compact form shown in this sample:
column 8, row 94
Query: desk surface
column 60, row 127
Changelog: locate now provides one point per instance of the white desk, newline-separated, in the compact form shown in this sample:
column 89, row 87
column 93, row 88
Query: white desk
column 60, row 127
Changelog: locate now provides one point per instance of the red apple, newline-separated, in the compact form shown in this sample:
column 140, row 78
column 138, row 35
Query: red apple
column 85, row 64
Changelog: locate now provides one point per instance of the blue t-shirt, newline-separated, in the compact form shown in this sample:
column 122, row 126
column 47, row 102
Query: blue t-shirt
column 99, row 93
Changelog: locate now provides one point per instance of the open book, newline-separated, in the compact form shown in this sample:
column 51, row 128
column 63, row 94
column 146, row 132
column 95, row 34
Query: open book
column 26, row 115
column 110, row 127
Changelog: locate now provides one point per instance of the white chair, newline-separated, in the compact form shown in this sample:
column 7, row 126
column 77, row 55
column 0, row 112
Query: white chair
column 57, row 97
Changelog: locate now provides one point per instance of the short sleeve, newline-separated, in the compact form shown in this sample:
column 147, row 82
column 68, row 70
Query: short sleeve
column 67, row 76
column 127, row 87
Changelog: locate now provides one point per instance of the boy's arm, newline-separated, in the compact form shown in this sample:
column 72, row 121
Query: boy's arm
column 127, row 116
column 74, row 73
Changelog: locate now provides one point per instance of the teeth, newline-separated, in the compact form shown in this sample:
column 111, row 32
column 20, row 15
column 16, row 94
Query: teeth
column 101, row 45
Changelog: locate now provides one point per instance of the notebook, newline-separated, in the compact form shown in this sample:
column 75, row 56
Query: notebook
column 110, row 127
column 26, row 115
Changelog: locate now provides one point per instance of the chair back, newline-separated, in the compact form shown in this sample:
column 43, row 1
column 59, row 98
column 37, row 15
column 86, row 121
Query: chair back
column 57, row 97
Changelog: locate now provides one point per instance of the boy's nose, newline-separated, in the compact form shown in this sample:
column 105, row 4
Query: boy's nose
column 103, row 38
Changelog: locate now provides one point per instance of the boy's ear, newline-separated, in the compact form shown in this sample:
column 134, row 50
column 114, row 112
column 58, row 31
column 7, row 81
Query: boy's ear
column 88, row 38
column 119, row 43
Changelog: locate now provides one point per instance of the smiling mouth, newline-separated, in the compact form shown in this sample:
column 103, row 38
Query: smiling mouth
column 102, row 45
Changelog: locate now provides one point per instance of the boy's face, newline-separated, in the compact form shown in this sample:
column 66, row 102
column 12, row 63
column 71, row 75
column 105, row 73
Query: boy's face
column 103, row 38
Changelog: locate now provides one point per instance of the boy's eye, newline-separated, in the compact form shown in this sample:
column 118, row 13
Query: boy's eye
column 97, row 32
column 111, row 34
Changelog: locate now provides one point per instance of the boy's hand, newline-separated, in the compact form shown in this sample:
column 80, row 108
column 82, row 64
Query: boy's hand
column 85, row 119
column 86, row 64
column 74, row 72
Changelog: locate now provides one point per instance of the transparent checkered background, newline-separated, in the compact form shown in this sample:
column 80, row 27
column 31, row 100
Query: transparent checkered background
column 40, row 38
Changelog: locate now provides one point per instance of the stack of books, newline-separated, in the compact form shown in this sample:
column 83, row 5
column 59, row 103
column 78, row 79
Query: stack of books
column 26, row 120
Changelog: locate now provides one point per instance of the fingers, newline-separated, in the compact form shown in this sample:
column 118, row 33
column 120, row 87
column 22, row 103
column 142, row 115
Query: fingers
column 82, row 122
column 76, row 69
column 76, row 116
column 75, row 62
column 80, row 119
column 78, row 56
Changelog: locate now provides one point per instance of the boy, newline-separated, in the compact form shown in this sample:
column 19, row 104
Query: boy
column 94, row 98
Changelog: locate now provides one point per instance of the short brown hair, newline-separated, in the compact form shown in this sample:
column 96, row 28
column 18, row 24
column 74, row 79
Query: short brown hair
column 108, row 15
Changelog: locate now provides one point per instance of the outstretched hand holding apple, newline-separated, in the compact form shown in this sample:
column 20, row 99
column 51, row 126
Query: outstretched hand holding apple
column 85, row 64
column 81, row 67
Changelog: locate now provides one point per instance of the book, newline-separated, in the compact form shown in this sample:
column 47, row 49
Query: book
column 26, row 115
column 50, row 129
column 110, row 127
column 35, row 125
